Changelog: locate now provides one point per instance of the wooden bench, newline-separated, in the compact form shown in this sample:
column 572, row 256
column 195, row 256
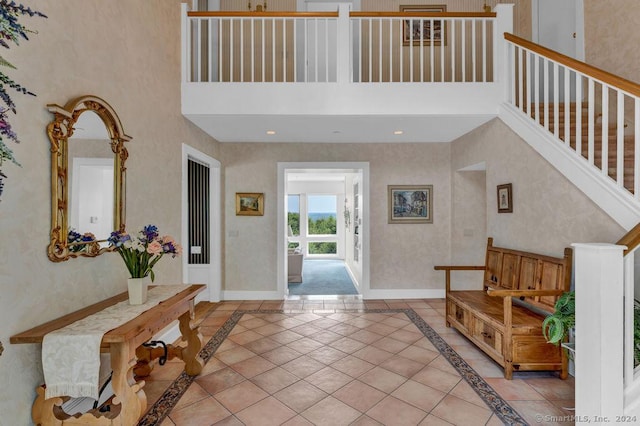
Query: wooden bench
column 129, row 401
column 505, row 318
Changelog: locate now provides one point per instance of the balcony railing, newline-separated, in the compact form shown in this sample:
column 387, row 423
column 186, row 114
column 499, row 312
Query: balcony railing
column 366, row 47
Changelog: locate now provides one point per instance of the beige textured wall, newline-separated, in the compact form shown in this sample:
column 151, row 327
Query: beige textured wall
column 128, row 53
column 402, row 256
column 612, row 36
column 549, row 213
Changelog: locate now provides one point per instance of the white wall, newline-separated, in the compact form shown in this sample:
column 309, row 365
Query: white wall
column 402, row 255
column 549, row 213
column 86, row 47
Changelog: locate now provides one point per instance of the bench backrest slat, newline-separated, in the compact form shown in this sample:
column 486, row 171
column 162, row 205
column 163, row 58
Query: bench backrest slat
column 509, row 269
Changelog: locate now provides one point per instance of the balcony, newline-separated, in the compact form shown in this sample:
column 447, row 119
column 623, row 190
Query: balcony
column 342, row 76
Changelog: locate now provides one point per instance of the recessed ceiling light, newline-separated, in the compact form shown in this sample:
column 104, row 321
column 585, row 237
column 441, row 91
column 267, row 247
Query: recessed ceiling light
column 398, row 132
column 271, row 132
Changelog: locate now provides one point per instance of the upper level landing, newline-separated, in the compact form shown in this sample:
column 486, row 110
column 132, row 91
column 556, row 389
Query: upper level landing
column 342, row 76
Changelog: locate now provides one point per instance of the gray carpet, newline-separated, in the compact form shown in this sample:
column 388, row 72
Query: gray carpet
column 323, row 277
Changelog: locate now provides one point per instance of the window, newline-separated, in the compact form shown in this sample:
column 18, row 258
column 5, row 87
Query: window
column 323, row 248
column 293, row 214
column 321, row 214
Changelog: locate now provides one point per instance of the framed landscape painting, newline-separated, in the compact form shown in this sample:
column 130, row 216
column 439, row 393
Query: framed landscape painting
column 249, row 203
column 410, row 203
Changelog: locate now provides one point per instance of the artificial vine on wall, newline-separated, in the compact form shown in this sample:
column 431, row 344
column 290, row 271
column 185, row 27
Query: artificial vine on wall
column 11, row 31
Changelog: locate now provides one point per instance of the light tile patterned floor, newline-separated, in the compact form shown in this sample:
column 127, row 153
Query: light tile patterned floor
column 322, row 362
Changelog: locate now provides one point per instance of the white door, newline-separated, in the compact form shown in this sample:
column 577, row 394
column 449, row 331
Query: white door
column 560, row 26
column 320, row 40
column 201, row 224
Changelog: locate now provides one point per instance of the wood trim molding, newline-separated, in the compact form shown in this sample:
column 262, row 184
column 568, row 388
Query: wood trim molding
column 424, row 14
column 240, row 14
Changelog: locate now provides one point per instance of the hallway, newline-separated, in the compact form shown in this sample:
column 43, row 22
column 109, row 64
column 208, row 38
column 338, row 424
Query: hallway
column 323, row 277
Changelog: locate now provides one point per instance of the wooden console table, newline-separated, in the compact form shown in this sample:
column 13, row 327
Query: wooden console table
column 129, row 401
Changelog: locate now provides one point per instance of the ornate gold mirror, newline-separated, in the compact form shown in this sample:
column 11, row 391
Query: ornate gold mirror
column 87, row 177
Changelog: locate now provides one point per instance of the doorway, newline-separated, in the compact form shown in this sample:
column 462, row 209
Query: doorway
column 317, row 228
column 201, row 222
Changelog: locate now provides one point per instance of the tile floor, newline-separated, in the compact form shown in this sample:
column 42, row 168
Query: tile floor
column 325, row 362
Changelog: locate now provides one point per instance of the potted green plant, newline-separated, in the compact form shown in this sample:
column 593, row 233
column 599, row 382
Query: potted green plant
column 556, row 327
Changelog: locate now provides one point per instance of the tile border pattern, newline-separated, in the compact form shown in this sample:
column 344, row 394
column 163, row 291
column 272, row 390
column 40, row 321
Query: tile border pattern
column 163, row 406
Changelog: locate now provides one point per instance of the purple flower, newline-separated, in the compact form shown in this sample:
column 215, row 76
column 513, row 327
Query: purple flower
column 150, row 232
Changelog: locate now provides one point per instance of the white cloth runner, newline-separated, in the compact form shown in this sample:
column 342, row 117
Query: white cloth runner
column 71, row 355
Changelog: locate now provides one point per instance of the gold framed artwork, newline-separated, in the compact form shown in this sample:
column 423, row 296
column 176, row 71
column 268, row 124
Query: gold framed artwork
column 410, row 203
column 417, row 30
column 249, row 203
column 505, row 198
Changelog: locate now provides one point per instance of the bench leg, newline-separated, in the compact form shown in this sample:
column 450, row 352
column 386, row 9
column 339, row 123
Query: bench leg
column 564, row 370
column 508, row 370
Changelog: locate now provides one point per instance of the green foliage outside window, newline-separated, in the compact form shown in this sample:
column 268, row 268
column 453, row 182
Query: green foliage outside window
column 323, row 248
column 324, row 226
column 294, row 222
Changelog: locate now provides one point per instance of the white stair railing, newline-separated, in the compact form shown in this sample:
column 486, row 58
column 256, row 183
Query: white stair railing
column 423, row 47
column 595, row 114
column 308, row 47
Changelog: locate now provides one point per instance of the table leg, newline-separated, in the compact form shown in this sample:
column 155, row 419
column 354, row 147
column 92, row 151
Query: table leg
column 127, row 392
column 193, row 363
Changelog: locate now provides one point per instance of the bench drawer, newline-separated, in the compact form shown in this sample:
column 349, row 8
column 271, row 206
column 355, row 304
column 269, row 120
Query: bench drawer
column 535, row 349
column 459, row 314
column 487, row 335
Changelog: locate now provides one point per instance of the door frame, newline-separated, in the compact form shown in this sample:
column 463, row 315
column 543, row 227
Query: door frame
column 362, row 167
column 214, row 269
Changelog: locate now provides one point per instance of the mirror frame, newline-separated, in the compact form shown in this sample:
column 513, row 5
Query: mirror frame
column 59, row 132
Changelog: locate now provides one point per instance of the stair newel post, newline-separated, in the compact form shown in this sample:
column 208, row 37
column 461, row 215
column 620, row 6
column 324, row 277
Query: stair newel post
column 599, row 287
column 502, row 66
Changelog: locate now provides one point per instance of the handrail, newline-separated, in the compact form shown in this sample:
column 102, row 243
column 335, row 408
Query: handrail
column 226, row 14
column 284, row 14
column 424, row 14
column 631, row 239
column 586, row 69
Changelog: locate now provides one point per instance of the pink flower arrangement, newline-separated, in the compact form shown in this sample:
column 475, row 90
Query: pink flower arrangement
column 142, row 251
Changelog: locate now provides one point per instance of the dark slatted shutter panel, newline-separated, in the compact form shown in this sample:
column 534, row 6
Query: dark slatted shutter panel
column 199, row 215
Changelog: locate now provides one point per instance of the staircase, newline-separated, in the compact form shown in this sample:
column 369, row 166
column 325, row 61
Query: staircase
column 591, row 141
column 571, row 118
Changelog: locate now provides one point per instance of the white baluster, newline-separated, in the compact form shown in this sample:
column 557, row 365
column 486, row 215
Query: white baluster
column 605, row 130
column 620, row 137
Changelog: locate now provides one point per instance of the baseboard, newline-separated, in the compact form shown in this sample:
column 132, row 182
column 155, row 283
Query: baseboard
column 405, row 294
column 251, row 295
column 353, row 277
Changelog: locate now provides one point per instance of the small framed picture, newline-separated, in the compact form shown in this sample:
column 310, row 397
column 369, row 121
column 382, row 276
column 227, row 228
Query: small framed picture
column 249, row 203
column 417, row 30
column 505, row 198
column 410, row 203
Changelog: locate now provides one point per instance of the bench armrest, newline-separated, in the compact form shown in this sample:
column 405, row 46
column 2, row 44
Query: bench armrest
column 448, row 269
column 458, row 268
column 524, row 293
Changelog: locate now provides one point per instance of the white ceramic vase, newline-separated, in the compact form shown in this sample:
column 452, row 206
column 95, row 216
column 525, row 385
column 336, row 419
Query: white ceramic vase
column 138, row 290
